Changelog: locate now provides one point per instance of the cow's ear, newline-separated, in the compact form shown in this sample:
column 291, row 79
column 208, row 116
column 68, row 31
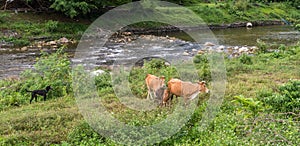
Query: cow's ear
column 202, row 82
column 162, row 77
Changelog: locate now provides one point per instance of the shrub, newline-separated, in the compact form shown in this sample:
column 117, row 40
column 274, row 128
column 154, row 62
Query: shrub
column 262, row 46
column 241, row 5
column 288, row 98
column 51, row 70
column 245, row 59
column 21, row 42
column 202, row 65
column 3, row 17
column 51, row 26
column 297, row 26
column 249, row 103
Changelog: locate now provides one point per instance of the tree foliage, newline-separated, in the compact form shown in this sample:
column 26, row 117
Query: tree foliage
column 73, row 8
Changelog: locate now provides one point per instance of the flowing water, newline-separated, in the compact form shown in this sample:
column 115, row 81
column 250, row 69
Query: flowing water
column 279, row 34
column 13, row 62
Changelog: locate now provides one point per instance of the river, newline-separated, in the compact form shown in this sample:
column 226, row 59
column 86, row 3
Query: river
column 13, row 62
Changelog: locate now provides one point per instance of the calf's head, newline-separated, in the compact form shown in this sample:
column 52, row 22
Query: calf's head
column 162, row 81
column 202, row 87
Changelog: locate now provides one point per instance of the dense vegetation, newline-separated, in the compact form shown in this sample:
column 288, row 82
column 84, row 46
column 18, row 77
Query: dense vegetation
column 261, row 104
column 74, row 8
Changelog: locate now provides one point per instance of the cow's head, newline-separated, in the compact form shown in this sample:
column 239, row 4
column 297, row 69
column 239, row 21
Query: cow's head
column 162, row 81
column 202, row 87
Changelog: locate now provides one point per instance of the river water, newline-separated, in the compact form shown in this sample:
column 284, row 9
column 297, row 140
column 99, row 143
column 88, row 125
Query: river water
column 13, row 62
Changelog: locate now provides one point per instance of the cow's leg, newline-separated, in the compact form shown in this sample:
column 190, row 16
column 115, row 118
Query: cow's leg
column 148, row 94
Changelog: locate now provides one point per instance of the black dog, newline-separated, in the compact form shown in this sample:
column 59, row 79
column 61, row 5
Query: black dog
column 34, row 93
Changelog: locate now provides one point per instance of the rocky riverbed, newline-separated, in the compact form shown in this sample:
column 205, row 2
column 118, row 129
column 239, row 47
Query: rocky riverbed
column 131, row 48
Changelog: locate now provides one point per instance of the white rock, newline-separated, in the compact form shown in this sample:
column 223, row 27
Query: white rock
column 185, row 54
column 24, row 49
column 221, row 47
column 194, row 50
column 97, row 72
column 209, row 44
column 63, row 40
column 52, row 43
column 243, row 49
column 201, row 52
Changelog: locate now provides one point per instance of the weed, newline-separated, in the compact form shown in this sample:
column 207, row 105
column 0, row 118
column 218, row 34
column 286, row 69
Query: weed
column 245, row 59
column 262, row 46
column 4, row 17
column 51, row 26
column 288, row 98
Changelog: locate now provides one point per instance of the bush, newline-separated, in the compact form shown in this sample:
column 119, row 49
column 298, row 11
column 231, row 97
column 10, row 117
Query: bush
column 245, row 59
column 288, row 98
column 241, row 5
column 21, row 42
column 202, row 65
column 3, row 17
column 53, row 70
column 262, row 46
column 297, row 27
column 51, row 26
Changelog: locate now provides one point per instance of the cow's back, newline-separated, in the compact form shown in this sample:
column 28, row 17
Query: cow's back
column 189, row 88
column 180, row 88
column 174, row 87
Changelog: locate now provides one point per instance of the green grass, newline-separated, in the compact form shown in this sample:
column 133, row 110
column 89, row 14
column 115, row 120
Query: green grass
column 248, row 115
column 229, row 13
column 29, row 26
column 39, row 123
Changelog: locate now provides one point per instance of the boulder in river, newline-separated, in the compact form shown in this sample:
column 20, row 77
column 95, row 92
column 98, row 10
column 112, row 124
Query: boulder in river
column 63, row 40
column 209, row 44
column 201, row 52
column 185, row 53
column 243, row 49
column 24, row 49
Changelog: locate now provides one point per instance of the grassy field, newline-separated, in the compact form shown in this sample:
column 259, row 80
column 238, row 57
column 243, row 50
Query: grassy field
column 260, row 107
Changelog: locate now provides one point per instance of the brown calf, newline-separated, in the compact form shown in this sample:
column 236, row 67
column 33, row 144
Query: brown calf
column 187, row 90
column 153, row 84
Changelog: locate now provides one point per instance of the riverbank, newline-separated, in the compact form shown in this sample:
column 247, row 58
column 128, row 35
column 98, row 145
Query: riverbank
column 160, row 29
column 23, row 29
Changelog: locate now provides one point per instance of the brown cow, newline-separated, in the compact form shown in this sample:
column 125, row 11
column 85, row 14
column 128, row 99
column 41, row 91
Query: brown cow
column 187, row 90
column 153, row 84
